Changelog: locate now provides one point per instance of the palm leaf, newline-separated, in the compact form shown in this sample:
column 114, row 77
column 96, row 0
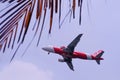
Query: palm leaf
column 24, row 9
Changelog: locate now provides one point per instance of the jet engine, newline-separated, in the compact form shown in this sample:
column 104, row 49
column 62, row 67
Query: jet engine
column 61, row 60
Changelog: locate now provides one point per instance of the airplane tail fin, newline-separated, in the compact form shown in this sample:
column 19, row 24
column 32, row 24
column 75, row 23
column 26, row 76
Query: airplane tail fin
column 98, row 55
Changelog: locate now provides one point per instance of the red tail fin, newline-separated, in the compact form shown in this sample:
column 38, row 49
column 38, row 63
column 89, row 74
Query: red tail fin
column 98, row 55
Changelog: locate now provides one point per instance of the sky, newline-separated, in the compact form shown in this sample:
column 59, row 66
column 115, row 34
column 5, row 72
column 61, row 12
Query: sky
column 100, row 28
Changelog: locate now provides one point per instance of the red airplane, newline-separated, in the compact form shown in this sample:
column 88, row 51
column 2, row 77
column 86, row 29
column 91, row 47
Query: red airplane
column 68, row 53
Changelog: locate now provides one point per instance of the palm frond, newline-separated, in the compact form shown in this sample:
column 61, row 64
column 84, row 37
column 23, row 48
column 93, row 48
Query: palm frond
column 10, row 20
column 23, row 9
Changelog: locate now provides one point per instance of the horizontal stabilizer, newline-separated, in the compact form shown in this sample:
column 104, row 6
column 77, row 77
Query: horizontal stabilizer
column 98, row 55
column 98, row 62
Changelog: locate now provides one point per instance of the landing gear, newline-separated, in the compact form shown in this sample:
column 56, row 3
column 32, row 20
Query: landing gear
column 48, row 53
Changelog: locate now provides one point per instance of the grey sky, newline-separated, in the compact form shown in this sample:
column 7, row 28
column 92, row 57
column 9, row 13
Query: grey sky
column 101, row 31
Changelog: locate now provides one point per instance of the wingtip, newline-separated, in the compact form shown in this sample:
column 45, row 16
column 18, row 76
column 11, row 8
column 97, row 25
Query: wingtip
column 72, row 69
column 80, row 34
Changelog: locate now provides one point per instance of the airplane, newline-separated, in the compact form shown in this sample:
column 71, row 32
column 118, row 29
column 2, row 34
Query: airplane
column 68, row 53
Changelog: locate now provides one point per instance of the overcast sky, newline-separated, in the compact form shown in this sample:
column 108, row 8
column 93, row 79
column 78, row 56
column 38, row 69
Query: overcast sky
column 101, row 29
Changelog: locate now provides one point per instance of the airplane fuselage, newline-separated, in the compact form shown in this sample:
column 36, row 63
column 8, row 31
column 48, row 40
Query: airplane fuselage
column 75, row 54
column 68, row 53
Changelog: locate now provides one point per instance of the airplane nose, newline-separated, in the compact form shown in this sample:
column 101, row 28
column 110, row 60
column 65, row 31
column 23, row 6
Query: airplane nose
column 49, row 49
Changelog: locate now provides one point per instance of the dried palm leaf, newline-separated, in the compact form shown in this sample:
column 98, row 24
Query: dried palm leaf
column 18, row 10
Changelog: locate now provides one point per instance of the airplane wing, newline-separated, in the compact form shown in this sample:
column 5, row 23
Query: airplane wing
column 72, row 45
column 69, row 62
column 70, row 65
